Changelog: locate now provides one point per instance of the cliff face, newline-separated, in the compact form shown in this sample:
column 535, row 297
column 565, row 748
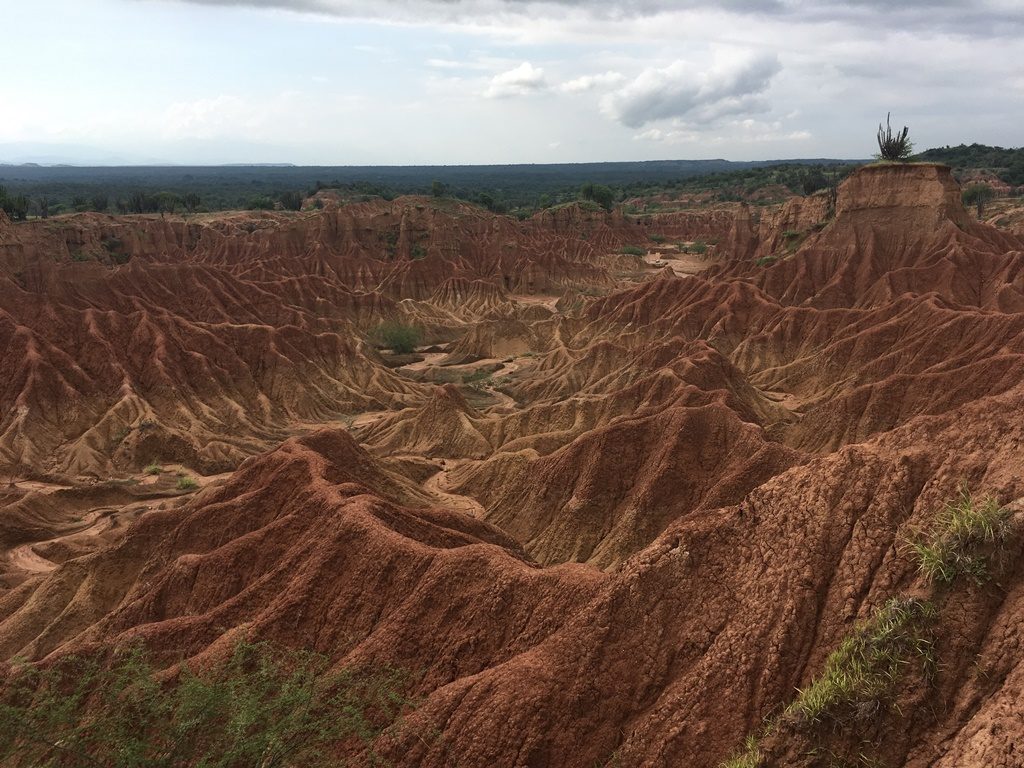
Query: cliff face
column 911, row 198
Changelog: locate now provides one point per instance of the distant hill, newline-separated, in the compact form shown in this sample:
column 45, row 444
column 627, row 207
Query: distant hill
column 245, row 186
column 1008, row 164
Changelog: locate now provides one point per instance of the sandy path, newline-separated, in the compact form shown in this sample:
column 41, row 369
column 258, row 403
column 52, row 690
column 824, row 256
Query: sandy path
column 430, row 360
column 436, row 486
column 24, row 557
column 543, row 301
column 682, row 264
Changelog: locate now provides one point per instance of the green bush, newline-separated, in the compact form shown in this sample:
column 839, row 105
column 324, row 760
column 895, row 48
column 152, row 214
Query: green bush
column 657, row 239
column 153, row 469
column 598, row 193
column 699, row 247
column 398, row 337
column 187, row 483
column 632, row 250
column 266, row 706
column 951, row 547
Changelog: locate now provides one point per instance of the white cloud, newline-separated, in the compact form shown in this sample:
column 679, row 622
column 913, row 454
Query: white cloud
column 590, row 82
column 746, row 131
column 444, row 64
column 733, row 84
column 521, row 81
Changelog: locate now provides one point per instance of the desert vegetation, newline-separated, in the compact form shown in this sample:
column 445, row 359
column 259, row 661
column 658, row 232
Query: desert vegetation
column 860, row 677
column 401, row 338
column 894, row 147
column 266, row 706
column 186, row 483
column 955, row 544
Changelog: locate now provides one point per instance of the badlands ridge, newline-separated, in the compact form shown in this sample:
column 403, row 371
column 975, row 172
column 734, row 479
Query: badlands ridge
column 616, row 510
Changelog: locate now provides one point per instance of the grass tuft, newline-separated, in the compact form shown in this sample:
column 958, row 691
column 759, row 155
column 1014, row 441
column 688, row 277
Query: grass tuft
column 863, row 671
column 153, row 469
column 964, row 525
column 750, row 757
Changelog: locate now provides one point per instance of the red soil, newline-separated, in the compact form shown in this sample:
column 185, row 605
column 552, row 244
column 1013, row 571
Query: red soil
column 692, row 489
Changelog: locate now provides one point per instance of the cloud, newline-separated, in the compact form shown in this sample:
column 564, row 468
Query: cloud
column 732, row 85
column 521, row 81
column 445, row 64
column 956, row 16
column 590, row 82
column 745, row 131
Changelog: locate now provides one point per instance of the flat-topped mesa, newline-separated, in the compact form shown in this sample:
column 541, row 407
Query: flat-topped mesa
column 918, row 195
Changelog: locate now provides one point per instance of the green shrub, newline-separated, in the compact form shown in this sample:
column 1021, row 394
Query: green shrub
column 153, row 469
column 632, row 250
column 962, row 527
column 187, row 483
column 266, row 706
column 398, row 337
column 657, row 239
column 477, row 377
column 864, row 670
column 418, row 252
column 765, row 261
column 699, row 247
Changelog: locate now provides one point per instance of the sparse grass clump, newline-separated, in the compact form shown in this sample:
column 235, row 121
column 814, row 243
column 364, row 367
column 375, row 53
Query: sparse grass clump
column 750, row 757
column 153, row 469
column 962, row 527
column 265, row 706
column 864, row 670
column 187, row 483
column 632, row 250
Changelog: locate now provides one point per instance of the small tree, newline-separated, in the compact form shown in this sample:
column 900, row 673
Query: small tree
column 598, row 193
column 291, row 201
column 191, row 201
column 398, row 337
column 978, row 195
column 896, row 148
column 438, row 189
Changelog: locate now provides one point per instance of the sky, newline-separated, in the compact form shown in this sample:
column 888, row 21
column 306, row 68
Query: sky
column 398, row 82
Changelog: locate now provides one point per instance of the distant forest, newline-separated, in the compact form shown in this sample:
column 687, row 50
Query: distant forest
column 32, row 190
column 1007, row 164
column 519, row 189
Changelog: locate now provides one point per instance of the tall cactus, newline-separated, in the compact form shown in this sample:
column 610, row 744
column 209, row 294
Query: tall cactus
column 890, row 147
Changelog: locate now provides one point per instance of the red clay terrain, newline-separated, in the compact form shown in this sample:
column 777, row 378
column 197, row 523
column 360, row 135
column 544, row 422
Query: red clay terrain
column 604, row 515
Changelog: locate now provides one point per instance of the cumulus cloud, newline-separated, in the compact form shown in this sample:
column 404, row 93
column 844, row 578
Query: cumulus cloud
column 731, row 85
column 521, row 81
column 590, row 82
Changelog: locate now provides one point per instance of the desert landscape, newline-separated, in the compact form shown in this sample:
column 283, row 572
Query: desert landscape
column 613, row 509
column 512, row 384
